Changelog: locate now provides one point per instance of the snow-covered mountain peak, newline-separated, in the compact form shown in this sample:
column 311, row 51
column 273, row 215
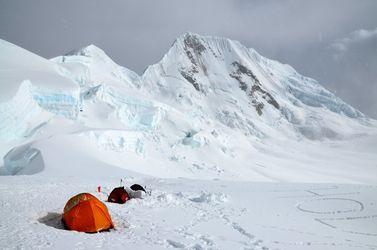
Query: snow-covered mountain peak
column 91, row 66
column 193, row 56
column 218, row 46
column 90, row 54
column 90, row 51
column 220, row 78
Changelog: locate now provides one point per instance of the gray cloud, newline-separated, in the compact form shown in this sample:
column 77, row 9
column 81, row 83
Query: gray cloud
column 355, row 37
column 138, row 33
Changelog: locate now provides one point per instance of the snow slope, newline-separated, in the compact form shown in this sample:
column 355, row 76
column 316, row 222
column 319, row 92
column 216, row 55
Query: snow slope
column 32, row 91
column 207, row 128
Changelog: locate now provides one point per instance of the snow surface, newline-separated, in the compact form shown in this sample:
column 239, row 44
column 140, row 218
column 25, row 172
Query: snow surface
column 239, row 151
column 193, row 214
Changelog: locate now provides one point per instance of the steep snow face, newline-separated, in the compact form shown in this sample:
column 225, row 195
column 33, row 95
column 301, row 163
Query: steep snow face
column 21, row 115
column 227, row 82
column 104, row 83
column 133, row 111
column 32, row 91
column 90, row 66
column 306, row 90
column 17, row 65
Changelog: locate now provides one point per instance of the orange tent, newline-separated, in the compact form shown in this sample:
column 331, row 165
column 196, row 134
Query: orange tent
column 85, row 213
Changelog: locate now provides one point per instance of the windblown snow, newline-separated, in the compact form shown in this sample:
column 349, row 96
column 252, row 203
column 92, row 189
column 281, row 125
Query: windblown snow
column 227, row 140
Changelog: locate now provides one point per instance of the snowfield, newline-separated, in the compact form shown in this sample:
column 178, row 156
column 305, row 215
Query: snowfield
column 193, row 214
column 239, row 151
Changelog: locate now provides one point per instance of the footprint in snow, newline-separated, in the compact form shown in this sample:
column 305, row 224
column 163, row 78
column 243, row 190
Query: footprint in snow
column 210, row 198
column 175, row 244
column 331, row 206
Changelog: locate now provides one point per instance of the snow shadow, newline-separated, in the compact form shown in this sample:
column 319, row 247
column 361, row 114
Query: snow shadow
column 3, row 171
column 52, row 220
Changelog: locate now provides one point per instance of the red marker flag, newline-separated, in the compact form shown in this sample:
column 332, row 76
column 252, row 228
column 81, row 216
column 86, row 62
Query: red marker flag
column 99, row 189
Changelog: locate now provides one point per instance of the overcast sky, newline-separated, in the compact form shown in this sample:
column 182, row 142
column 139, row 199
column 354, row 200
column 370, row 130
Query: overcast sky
column 333, row 41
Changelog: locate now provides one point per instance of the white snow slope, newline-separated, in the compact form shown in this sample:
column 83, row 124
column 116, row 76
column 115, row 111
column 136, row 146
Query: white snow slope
column 227, row 140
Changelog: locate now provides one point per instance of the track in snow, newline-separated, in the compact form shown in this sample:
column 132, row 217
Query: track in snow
column 190, row 214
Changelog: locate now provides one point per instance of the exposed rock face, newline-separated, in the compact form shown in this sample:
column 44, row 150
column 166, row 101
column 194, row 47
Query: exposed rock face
column 193, row 50
column 255, row 91
column 189, row 75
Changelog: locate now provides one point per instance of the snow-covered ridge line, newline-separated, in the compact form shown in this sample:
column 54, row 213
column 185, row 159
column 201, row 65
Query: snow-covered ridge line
column 90, row 65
